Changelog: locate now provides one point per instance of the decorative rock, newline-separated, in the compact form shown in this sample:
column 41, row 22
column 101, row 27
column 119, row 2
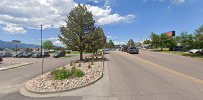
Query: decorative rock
column 45, row 83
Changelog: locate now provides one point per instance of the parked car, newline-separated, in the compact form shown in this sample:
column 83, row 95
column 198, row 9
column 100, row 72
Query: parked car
column 1, row 54
column 106, row 49
column 125, row 48
column 38, row 55
column 196, row 51
column 59, row 54
column 46, row 54
column 133, row 50
column 18, row 55
column 27, row 54
column 1, row 59
column 179, row 48
column 8, row 55
column 200, row 52
column 5, row 55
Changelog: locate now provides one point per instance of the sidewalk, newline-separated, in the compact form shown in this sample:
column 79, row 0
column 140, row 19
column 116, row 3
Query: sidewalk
column 13, row 65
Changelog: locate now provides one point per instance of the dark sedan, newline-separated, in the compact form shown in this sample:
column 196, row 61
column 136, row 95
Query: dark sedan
column 133, row 50
column 59, row 54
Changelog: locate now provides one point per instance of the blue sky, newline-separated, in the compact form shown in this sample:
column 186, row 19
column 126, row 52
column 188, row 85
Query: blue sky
column 120, row 19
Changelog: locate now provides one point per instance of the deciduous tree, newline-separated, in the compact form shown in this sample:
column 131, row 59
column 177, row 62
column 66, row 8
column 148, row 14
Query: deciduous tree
column 48, row 45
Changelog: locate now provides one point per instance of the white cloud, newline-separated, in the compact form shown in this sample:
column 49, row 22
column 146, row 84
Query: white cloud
column 14, row 29
column 33, row 13
column 50, row 13
column 57, row 42
column 108, row 36
column 53, row 38
column 179, row 1
column 119, row 43
column 104, row 16
column 95, row 1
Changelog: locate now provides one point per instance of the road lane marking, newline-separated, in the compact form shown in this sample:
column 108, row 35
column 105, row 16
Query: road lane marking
column 171, row 71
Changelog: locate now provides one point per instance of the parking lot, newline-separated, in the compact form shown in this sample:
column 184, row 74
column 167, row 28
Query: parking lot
column 12, row 79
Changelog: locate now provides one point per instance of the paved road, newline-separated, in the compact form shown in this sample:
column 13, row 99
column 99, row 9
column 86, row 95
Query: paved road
column 144, row 76
column 155, row 76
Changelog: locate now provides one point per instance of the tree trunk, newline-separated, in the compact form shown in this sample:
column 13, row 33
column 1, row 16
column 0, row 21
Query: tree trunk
column 96, row 54
column 81, row 55
column 170, row 48
column 161, row 48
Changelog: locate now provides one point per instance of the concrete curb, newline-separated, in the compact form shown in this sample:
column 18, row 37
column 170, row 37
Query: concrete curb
column 16, row 66
column 28, row 93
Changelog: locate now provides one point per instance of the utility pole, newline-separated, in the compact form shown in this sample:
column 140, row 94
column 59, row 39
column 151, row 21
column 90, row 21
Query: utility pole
column 16, row 42
column 41, row 51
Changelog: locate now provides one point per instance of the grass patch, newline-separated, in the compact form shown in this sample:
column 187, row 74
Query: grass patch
column 68, row 56
column 77, row 52
column 159, row 49
column 187, row 54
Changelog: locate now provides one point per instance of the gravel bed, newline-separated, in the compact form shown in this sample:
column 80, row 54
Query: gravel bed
column 45, row 83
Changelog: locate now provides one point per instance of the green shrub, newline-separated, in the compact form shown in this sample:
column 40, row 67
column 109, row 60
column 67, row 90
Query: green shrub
column 78, row 73
column 54, row 72
column 60, row 74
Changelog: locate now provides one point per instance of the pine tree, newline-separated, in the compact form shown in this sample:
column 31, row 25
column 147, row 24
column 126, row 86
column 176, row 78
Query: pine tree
column 79, row 24
column 131, row 43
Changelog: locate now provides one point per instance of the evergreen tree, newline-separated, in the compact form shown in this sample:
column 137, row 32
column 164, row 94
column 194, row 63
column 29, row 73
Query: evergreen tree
column 96, row 40
column 131, row 43
column 79, row 24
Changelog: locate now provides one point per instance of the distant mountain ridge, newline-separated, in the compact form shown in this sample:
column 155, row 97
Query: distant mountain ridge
column 5, row 44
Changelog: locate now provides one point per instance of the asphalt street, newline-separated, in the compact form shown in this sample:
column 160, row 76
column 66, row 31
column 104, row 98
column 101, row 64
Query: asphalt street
column 144, row 76
column 154, row 76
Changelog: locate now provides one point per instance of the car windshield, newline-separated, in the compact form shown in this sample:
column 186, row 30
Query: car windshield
column 133, row 48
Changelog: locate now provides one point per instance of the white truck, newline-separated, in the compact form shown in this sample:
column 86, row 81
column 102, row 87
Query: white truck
column 196, row 51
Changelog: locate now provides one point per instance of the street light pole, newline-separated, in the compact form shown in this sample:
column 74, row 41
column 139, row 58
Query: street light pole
column 41, row 51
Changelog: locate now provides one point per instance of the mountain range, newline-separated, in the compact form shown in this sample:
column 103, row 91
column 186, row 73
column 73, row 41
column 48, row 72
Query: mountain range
column 6, row 44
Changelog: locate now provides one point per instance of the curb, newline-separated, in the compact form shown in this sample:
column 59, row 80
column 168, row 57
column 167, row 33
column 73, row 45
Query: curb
column 28, row 93
column 20, row 65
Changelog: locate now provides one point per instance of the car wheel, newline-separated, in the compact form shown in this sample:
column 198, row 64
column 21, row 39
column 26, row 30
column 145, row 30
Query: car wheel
column 198, row 52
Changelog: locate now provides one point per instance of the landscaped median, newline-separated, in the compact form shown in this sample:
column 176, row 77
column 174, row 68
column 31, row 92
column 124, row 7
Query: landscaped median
column 71, row 76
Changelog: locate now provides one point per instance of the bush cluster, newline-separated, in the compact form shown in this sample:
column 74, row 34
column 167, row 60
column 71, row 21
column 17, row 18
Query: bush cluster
column 60, row 74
